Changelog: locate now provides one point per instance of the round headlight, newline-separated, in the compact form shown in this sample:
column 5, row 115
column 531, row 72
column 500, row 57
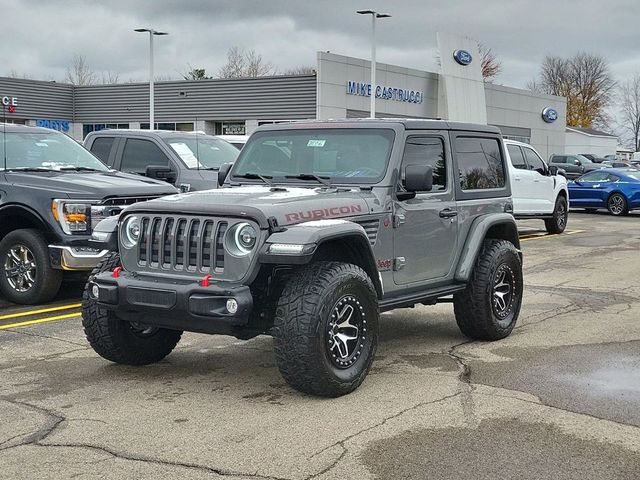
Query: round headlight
column 242, row 239
column 131, row 232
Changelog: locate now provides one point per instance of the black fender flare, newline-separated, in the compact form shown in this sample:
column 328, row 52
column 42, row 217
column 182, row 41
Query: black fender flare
column 19, row 210
column 494, row 225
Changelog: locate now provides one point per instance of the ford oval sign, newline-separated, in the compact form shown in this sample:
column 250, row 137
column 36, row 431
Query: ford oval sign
column 462, row 57
column 549, row 115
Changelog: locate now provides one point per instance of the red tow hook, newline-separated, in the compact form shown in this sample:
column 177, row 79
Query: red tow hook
column 116, row 272
column 206, row 281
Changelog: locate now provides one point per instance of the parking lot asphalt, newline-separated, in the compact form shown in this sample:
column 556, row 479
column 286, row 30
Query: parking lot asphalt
column 559, row 398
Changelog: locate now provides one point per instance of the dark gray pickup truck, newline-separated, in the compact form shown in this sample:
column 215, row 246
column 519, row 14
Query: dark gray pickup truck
column 52, row 193
column 319, row 227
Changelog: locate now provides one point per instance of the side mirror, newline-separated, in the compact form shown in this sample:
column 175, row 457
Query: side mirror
column 418, row 178
column 563, row 172
column 577, row 182
column 576, row 162
column 553, row 170
column 161, row 172
column 223, row 172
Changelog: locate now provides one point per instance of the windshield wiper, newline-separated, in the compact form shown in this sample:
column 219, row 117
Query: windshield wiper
column 80, row 169
column 251, row 175
column 29, row 169
column 311, row 176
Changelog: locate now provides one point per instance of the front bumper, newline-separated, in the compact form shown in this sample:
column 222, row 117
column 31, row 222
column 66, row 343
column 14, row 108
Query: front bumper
column 177, row 305
column 75, row 258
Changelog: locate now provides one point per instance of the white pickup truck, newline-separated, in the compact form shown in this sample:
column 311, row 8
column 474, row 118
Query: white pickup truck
column 538, row 190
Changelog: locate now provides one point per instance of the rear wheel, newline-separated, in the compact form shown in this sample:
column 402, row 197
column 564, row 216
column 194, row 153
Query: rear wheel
column 26, row 275
column 326, row 328
column 617, row 204
column 120, row 341
column 489, row 307
column 558, row 222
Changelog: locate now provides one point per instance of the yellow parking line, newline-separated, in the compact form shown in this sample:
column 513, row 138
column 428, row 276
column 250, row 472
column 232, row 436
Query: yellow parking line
column 40, row 320
column 540, row 237
column 37, row 312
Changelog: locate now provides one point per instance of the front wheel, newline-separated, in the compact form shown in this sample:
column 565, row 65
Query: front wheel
column 489, row 307
column 617, row 205
column 120, row 341
column 26, row 275
column 326, row 328
column 558, row 222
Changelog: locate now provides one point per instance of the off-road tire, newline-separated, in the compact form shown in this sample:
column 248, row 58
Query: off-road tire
column 118, row 340
column 558, row 222
column 302, row 328
column 474, row 307
column 47, row 279
column 614, row 208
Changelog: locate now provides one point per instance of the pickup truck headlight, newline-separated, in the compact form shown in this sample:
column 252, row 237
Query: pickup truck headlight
column 74, row 217
column 130, row 232
column 241, row 239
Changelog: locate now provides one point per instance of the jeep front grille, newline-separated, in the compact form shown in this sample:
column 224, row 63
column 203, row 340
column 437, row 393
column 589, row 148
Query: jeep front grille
column 188, row 244
column 371, row 228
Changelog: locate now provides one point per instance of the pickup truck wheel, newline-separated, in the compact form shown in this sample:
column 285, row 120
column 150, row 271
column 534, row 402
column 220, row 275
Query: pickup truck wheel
column 558, row 222
column 26, row 275
column 617, row 204
column 488, row 308
column 326, row 328
column 118, row 340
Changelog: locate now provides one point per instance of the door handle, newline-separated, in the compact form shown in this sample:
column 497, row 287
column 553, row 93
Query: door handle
column 448, row 213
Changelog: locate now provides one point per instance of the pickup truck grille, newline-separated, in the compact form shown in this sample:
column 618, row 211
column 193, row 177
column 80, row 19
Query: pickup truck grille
column 188, row 244
column 111, row 207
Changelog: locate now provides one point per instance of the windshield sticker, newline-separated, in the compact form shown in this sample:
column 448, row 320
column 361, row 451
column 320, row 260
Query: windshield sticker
column 185, row 153
column 316, row 143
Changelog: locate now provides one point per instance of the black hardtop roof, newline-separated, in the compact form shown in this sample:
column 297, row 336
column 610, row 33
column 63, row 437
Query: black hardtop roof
column 407, row 123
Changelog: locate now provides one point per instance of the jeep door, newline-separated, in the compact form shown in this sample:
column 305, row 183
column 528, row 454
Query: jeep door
column 425, row 237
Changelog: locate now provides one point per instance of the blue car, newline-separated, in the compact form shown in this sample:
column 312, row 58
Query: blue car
column 616, row 189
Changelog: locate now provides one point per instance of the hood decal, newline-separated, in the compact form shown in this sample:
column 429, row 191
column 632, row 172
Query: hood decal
column 333, row 212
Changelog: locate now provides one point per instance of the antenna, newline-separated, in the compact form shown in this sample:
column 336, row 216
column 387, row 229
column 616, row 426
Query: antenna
column 4, row 136
column 197, row 147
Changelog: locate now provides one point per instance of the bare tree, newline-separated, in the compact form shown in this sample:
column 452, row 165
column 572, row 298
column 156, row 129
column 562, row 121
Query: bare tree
column 109, row 77
column 241, row 63
column 585, row 81
column 14, row 74
column 301, row 70
column 491, row 66
column 629, row 99
column 79, row 72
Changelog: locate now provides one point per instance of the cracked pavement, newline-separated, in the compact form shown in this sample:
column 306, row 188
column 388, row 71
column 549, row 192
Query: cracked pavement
column 558, row 399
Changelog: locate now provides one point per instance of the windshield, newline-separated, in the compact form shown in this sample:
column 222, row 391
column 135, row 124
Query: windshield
column 203, row 151
column 354, row 155
column 46, row 151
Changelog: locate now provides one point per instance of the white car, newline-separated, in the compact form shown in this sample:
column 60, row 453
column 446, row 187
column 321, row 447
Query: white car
column 538, row 190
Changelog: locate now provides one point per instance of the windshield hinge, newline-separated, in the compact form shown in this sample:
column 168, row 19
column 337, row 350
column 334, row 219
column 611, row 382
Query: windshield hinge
column 273, row 225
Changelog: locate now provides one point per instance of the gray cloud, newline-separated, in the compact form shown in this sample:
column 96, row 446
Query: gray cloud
column 40, row 37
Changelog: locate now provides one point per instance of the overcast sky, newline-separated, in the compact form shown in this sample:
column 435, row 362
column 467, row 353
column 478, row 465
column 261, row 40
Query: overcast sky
column 38, row 38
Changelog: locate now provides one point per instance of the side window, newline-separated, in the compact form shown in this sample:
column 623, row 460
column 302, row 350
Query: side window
column 559, row 159
column 101, row 148
column 139, row 154
column 612, row 178
column 534, row 161
column 596, row 176
column 517, row 159
column 426, row 151
column 480, row 163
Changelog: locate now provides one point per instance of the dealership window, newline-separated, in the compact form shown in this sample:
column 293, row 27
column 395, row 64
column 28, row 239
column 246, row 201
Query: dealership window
column 171, row 126
column 87, row 128
column 139, row 154
column 480, row 163
column 426, row 151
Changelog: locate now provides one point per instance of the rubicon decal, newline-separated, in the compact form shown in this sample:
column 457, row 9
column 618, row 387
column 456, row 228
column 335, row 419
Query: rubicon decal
column 333, row 212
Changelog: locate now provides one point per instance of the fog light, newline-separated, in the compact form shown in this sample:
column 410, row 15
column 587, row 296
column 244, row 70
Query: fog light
column 95, row 291
column 232, row 306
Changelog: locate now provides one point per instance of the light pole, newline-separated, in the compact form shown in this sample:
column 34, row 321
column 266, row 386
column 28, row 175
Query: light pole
column 374, row 16
column 152, row 33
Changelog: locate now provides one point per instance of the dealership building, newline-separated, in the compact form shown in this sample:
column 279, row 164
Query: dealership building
column 339, row 88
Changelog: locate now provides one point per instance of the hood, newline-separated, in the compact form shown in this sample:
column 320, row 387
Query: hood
column 90, row 184
column 289, row 205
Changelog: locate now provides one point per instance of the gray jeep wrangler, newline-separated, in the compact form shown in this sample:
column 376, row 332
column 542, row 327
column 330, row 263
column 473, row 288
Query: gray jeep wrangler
column 319, row 227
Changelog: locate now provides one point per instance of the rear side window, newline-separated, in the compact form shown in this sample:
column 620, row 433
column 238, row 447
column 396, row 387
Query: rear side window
column 139, row 154
column 426, row 151
column 517, row 159
column 534, row 161
column 480, row 163
column 101, row 148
